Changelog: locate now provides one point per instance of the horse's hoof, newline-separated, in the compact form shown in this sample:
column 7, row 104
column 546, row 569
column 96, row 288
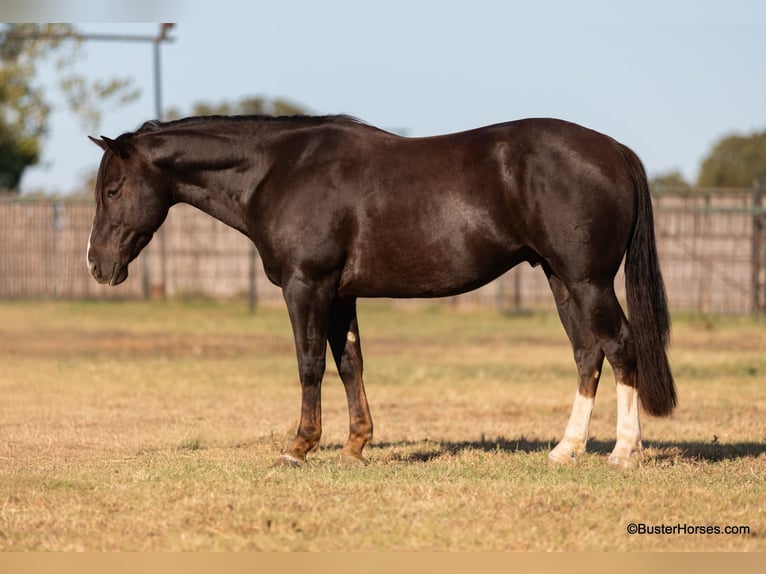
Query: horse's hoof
column 618, row 461
column 350, row 459
column 287, row 460
column 565, row 453
column 622, row 461
column 626, row 454
column 562, row 459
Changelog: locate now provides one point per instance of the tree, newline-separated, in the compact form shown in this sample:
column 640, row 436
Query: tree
column 251, row 105
column 16, row 154
column 670, row 180
column 735, row 161
column 24, row 110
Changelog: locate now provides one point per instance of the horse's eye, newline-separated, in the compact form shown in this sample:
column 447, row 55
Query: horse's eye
column 114, row 189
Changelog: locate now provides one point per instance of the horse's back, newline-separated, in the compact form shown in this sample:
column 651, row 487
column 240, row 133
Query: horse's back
column 539, row 190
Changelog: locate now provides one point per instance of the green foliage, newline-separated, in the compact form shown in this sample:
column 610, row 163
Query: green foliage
column 254, row 105
column 735, row 161
column 83, row 97
column 670, row 180
column 16, row 154
column 24, row 110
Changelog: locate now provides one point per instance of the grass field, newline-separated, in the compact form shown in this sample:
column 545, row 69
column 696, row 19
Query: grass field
column 152, row 426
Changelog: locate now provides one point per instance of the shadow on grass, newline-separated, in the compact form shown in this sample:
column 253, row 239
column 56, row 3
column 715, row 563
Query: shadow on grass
column 712, row 451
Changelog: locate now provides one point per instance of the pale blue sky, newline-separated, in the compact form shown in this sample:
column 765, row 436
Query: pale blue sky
column 666, row 78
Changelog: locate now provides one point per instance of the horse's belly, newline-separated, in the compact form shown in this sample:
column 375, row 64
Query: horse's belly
column 409, row 272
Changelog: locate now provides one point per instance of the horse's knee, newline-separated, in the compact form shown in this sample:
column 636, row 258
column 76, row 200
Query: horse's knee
column 350, row 367
column 620, row 351
column 311, row 370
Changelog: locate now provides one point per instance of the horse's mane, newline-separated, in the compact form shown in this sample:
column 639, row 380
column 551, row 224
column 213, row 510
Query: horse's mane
column 192, row 121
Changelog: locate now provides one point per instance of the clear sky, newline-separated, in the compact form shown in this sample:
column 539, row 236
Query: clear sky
column 667, row 78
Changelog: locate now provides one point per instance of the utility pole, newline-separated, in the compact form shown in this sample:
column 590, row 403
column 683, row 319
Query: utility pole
column 158, row 40
column 161, row 235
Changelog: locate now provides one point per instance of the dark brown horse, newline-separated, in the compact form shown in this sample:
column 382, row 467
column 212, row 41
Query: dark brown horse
column 340, row 210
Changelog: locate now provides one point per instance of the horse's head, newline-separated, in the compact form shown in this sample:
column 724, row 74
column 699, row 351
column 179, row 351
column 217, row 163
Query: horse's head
column 132, row 200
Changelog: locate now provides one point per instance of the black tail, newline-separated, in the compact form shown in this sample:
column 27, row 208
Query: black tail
column 647, row 304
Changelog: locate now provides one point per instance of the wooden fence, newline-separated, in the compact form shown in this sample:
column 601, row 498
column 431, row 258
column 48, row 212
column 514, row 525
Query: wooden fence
column 712, row 246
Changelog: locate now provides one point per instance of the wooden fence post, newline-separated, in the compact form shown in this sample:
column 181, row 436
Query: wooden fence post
column 145, row 283
column 252, row 287
column 58, row 225
column 758, row 248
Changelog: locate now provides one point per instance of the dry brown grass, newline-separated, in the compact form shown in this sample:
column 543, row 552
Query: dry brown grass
column 135, row 426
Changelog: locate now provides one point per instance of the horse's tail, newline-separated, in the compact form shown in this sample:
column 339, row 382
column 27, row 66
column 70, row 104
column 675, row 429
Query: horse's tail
column 647, row 303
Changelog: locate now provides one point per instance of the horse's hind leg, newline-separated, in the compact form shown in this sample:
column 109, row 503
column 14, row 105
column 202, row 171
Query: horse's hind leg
column 601, row 320
column 346, row 349
column 589, row 357
column 611, row 326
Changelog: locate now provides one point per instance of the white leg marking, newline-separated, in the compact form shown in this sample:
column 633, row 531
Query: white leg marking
column 576, row 433
column 628, row 426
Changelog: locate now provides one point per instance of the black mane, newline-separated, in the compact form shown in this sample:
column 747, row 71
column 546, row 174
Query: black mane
column 154, row 125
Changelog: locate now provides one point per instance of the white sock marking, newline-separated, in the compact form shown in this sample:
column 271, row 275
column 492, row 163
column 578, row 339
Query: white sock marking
column 576, row 433
column 628, row 425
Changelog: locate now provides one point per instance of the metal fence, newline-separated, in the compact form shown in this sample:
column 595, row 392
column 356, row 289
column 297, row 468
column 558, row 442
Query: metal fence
column 712, row 246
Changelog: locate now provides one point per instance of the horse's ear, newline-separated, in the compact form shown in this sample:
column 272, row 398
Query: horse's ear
column 120, row 148
column 100, row 143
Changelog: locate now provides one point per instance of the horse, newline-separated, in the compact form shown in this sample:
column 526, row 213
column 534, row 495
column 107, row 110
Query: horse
column 340, row 210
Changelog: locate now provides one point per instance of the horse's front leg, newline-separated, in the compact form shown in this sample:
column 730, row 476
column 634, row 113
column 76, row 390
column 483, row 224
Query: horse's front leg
column 308, row 304
column 347, row 352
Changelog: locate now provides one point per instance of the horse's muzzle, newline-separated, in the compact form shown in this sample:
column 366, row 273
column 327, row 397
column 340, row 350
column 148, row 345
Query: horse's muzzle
column 112, row 275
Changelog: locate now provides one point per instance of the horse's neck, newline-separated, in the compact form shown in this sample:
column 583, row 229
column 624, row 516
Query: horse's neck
column 223, row 203
column 207, row 175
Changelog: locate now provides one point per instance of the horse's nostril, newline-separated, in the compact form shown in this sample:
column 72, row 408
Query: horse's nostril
column 93, row 267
